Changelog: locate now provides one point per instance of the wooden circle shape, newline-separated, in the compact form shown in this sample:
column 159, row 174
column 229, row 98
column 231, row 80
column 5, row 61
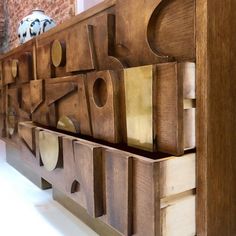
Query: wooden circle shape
column 49, row 150
column 14, row 68
column 100, row 93
column 68, row 124
column 58, row 53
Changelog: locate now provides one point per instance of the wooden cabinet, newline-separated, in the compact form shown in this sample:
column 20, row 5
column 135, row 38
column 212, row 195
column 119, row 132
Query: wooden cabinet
column 136, row 101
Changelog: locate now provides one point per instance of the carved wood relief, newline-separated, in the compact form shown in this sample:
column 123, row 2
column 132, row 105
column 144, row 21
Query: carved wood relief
column 91, row 101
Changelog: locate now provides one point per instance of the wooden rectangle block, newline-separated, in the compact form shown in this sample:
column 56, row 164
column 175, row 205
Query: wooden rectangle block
column 79, row 49
column 118, row 182
column 104, row 89
column 139, row 106
column 69, row 96
column 168, row 115
column 36, row 93
column 25, row 101
column 89, row 171
column 7, row 72
column 44, row 70
column 26, row 132
column 25, row 67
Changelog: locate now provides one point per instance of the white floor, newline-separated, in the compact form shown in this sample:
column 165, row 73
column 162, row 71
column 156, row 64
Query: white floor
column 25, row 210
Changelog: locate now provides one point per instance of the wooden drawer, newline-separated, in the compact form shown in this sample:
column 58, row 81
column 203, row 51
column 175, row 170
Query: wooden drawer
column 133, row 194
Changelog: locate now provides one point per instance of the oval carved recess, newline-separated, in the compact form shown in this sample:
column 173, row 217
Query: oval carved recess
column 171, row 29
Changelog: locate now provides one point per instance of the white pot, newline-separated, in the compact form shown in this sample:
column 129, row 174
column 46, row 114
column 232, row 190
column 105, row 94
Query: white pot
column 33, row 25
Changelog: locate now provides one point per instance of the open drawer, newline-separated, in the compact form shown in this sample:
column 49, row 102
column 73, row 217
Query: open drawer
column 133, row 194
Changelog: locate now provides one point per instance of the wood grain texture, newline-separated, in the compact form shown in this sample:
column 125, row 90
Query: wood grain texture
column 26, row 132
column 25, row 67
column 103, row 90
column 79, row 54
column 89, row 169
column 119, row 191
column 43, row 60
column 168, row 112
column 36, row 93
column 171, row 30
column 7, row 74
column 216, row 117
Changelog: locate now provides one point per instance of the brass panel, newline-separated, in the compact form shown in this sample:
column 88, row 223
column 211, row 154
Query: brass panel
column 49, row 150
column 58, row 53
column 139, row 106
column 68, row 124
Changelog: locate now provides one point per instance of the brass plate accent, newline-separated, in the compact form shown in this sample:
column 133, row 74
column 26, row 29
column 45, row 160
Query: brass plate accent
column 14, row 68
column 68, row 124
column 58, row 53
column 139, row 106
column 49, row 150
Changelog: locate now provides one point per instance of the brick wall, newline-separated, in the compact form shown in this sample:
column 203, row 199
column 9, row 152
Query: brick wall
column 59, row 10
column 3, row 26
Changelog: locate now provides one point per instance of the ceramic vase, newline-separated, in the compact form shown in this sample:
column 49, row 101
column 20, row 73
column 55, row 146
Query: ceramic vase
column 33, row 25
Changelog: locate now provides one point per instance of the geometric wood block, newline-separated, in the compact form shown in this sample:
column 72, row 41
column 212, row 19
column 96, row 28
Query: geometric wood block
column 89, row 170
column 26, row 132
column 118, row 182
column 7, row 72
column 79, row 49
column 171, row 83
column 44, row 70
column 25, row 68
column 171, row 30
column 168, row 115
column 36, row 93
column 25, row 103
column 103, row 90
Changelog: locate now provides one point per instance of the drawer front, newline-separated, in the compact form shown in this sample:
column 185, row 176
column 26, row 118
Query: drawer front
column 116, row 186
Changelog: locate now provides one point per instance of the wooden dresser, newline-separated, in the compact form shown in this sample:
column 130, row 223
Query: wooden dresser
column 127, row 112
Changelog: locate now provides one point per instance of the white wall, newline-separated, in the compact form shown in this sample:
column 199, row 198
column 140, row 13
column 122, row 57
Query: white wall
column 82, row 5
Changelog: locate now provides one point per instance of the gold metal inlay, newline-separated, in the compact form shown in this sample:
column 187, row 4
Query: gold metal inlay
column 139, row 106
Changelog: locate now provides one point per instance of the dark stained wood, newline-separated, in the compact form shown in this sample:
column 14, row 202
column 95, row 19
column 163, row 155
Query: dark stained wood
column 216, row 163
column 119, row 190
column 84, row 108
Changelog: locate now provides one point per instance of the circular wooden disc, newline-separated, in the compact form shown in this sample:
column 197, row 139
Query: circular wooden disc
column 14, row 68
column 49, row 150
column 68, row 124
column 58, row 53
